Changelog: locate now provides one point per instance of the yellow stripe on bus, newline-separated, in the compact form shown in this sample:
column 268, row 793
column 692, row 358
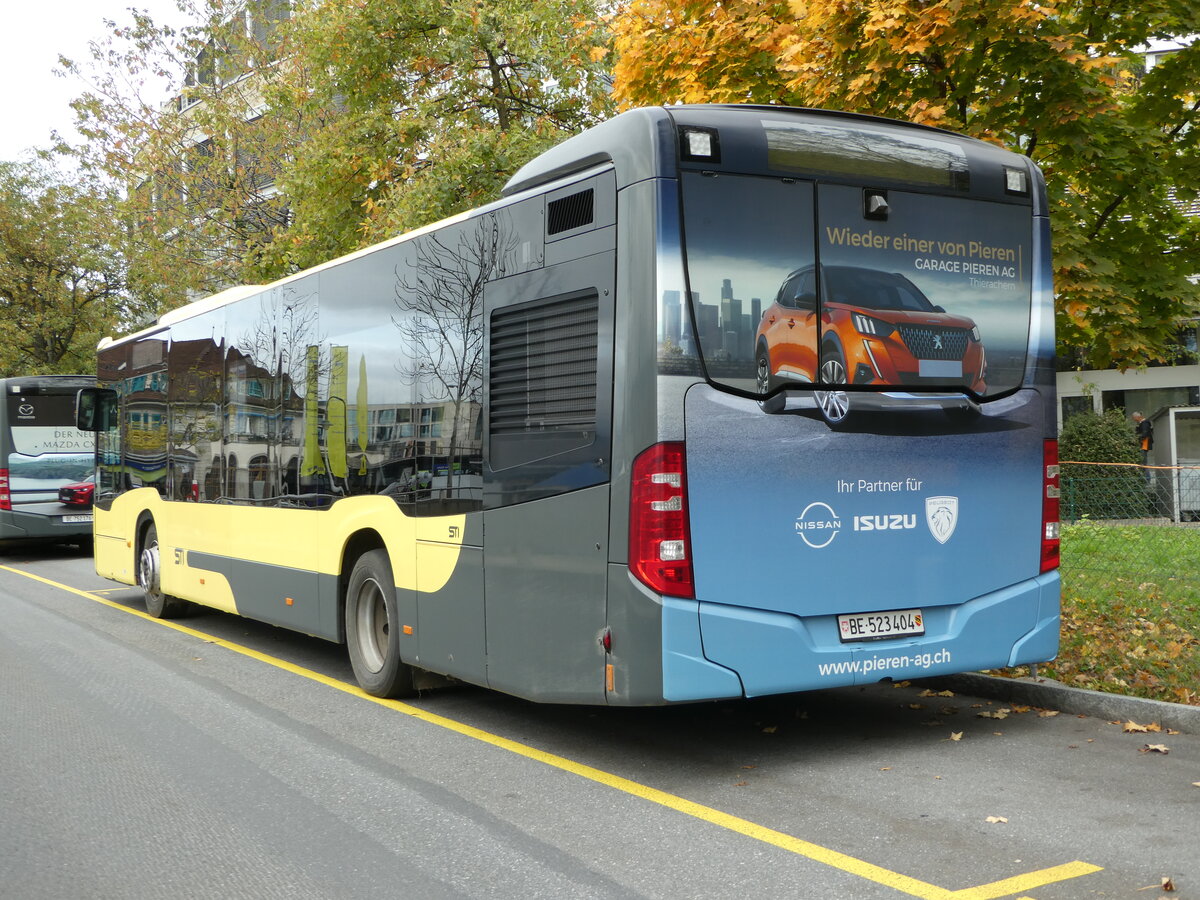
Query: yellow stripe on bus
column 282, row 537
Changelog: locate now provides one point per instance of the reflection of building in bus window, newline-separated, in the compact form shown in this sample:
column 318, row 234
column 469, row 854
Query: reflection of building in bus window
column 260, row 488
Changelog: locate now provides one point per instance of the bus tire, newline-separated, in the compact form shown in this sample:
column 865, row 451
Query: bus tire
column 149, row 577
column 373, row 629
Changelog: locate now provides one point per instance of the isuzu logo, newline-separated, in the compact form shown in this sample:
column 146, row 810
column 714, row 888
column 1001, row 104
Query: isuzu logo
column 941, row 515
column 894, row 522
column 818, row 525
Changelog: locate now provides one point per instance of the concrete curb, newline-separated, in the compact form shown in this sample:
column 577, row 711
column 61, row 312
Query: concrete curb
column 1046, row 693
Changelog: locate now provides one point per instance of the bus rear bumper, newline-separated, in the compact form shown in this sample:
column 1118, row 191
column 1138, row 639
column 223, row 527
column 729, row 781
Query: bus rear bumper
column 773, row 652
column 22, row 527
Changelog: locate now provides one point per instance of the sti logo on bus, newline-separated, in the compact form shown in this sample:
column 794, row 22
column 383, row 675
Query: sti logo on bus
column 941, row 515
column 818, row 525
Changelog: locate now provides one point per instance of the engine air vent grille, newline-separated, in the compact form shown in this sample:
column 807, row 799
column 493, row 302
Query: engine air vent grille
column 543, row 367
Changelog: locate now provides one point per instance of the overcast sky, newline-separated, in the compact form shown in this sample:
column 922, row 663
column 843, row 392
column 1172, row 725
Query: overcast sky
column 32, row 35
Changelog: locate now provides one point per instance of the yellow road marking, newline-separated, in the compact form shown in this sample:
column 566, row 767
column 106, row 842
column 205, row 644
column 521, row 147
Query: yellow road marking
column 832, row 858
column 1028, row 882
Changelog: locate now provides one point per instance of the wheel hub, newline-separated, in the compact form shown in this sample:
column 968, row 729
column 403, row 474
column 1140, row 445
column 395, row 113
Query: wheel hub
column 148, row 569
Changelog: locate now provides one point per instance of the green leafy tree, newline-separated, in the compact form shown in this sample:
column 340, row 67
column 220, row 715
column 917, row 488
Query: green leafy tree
column 1062, row 82
column 296, row 138
column 61, row 271
column 178, row 119
column 423, row 109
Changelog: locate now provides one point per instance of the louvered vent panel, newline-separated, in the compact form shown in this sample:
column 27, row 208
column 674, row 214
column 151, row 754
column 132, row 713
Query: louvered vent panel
column 571, row 211
column 543, row 367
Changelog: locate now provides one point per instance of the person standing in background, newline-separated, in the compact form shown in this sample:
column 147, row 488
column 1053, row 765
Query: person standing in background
column 1145, row 438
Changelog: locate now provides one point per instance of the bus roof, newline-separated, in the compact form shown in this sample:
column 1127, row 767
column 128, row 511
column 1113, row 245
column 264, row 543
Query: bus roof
column 641, row 144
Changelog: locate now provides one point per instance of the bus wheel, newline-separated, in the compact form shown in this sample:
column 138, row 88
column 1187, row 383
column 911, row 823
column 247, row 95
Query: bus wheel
column 834, row 405
column 149, row 578
column 372, row 629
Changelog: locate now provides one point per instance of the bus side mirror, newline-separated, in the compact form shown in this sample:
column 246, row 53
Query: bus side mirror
column 91, row 406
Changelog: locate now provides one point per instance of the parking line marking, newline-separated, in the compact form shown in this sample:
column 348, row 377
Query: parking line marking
column 1031, row 880
column 832, row 858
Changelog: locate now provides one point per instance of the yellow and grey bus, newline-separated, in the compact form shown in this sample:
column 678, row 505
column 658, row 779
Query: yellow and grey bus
column 714, row 401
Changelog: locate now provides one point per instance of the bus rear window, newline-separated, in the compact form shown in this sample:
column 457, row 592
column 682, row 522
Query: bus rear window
column 794, row 285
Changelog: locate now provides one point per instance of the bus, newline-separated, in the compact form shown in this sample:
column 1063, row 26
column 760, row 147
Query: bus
column 713, row 402
column 41, row 451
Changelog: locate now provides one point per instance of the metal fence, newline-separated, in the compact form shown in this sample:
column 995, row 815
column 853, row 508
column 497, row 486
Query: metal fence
column 1131, row 532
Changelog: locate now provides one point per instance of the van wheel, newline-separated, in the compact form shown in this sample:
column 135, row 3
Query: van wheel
column 373, row 629
column 764, row 382
column 149, row 578
column 834, row 405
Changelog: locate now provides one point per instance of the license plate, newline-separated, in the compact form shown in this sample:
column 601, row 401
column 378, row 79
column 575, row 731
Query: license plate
column 878, row 626
column 76, row 519
column 950, row 369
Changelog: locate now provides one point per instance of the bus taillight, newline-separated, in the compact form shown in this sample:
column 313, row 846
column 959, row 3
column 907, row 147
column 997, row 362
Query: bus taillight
column 1050, row 510
column 659, row 548
column 5, row 493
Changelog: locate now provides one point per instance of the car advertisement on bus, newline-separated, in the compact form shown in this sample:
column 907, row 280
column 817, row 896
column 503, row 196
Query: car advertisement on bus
column 876, row 534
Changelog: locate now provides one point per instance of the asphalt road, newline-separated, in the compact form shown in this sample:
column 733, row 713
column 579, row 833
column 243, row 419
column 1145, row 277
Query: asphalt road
column 221, row 758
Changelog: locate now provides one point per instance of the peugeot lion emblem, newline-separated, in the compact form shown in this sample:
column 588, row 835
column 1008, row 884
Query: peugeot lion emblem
column 941, row 515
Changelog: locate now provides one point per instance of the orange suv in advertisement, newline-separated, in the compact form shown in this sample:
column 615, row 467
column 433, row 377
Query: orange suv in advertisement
column 876, row 328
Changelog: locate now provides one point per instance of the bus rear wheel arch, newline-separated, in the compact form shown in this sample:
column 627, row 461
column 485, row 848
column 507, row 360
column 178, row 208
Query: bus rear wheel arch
column 372, row 628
